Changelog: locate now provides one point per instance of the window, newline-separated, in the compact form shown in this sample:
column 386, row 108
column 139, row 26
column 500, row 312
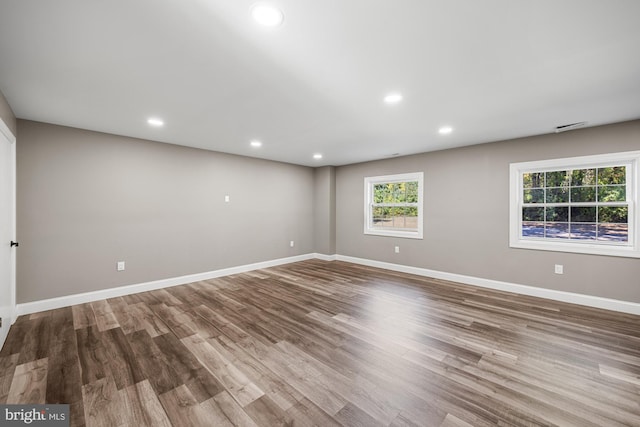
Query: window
column 393, row 205
column 581, row 204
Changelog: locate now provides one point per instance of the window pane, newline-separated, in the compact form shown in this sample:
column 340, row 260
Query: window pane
column 532, row 214
column 410, row 220
column 613, row 214
column 558, row 195
column 533, row 180
column 412, row 192
column 557, row 230
column 583, row 214
column 581, row 177
column 610, row 176
column 380, row 216
column 616, row 193
column 532, row 229
column 396, row 212
column 533, row 196
column 398, row 192
column 379, row 211
column 556, row 214
column 381, row 193
column 397, row 217
column 398, row 222
column 583, row 194
column 557, row 179
column 613, row 232
column 583, row 231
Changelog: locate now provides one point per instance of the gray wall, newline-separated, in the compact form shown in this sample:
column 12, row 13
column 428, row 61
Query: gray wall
column 325, row 210
column 466, row 228
column 87, row 200
column 7, row 116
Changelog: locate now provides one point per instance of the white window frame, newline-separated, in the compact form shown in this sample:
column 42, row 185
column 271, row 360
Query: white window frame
column 631, row 248
column 370, row 182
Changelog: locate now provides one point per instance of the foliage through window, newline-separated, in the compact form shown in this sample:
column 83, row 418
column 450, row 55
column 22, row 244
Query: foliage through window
column 393, row 205
column 580, row 205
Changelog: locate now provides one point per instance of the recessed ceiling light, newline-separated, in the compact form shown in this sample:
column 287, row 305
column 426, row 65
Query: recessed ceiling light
column 155, row 122
column 267, row 15
column 445, row 130
column 317, row 156
column 256, row 143
column 393, row 98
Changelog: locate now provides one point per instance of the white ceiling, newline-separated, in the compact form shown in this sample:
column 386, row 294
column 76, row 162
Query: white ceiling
column 492, row 69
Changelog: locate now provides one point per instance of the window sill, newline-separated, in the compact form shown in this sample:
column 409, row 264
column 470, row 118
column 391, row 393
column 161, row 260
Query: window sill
column 395, row 233
column 578, row 248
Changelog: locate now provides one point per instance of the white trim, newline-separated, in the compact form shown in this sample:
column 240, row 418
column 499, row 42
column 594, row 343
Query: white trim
column 368, row 194
column 631, row 249
column 14, row 229
column 7, row 132
column 67, row 300
column 324, row 257
column 570, row 297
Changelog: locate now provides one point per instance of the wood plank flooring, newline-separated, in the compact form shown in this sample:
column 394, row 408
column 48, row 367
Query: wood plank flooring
column 327, row 344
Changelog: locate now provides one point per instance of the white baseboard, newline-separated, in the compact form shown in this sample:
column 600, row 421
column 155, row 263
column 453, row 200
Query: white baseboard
column 570, row 297
column 573, row 298
column 324, row 257
column 65, row 301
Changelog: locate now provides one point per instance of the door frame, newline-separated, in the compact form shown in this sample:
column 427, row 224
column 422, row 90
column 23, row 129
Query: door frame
column 6, row 132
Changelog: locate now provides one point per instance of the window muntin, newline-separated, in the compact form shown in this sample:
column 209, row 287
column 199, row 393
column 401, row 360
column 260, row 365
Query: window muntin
column 393, row 205
column 583, row 204
column 588, row 204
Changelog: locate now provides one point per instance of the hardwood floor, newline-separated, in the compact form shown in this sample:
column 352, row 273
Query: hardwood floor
column 327, row 344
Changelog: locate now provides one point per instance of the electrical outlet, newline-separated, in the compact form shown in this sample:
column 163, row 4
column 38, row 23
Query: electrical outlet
column 397, row 249
column 120, row 266
column 291, row 243
column 227, row 199
column 559, row 269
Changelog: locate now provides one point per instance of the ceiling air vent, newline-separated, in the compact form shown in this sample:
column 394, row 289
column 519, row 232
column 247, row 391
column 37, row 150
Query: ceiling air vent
column 571, row 126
